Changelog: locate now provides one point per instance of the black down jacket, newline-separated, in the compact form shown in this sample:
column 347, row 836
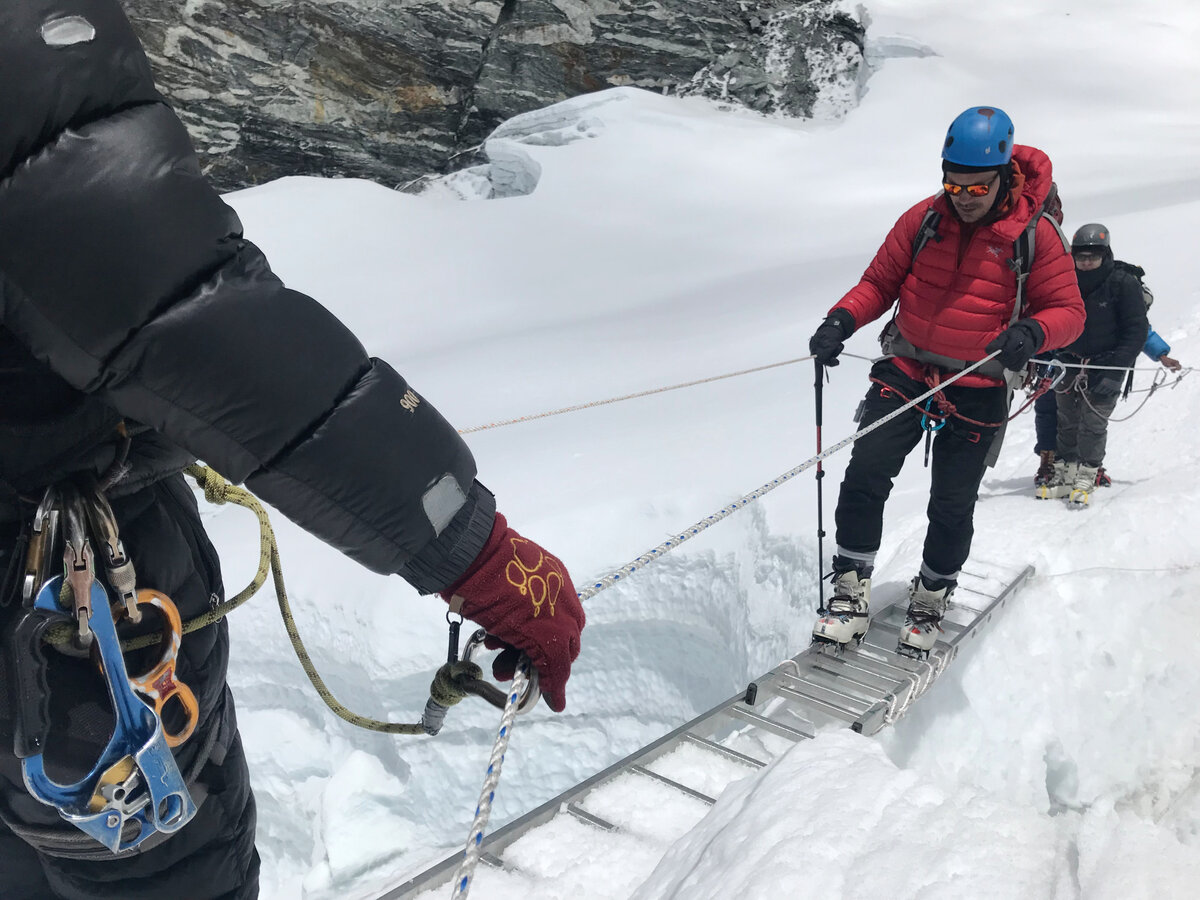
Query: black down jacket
column 128, row 294
column 1116, row 325
column 127, row 278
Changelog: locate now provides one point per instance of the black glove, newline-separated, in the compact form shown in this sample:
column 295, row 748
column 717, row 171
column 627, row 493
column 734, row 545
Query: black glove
column 827, row 341
column 1018, row 343
column 1107, row 385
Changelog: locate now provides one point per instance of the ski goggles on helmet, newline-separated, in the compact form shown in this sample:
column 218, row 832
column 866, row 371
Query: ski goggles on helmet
column 975, row 190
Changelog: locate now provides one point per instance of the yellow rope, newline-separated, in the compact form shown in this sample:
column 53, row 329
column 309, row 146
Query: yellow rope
column 217, row 490
column 445, row 688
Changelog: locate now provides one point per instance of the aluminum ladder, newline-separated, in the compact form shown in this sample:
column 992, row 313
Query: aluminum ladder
column 865, row 688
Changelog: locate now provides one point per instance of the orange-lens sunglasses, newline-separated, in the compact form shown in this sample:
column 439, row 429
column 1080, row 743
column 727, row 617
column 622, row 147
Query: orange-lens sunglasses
column 975, row 190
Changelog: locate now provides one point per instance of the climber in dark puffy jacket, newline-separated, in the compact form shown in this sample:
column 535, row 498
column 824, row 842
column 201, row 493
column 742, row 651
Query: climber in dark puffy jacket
column 131, row 305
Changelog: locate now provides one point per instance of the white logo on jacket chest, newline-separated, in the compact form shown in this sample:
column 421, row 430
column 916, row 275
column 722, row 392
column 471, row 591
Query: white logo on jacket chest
column 995, row 251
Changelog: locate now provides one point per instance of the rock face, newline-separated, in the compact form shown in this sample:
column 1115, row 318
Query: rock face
column 396, row 89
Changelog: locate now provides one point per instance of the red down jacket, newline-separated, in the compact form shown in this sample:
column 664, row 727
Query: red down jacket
column 959, row 292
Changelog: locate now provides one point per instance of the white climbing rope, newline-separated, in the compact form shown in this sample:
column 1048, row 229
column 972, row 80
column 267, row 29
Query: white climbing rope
column 607, row 581
column 462, row 878
column 661, row 390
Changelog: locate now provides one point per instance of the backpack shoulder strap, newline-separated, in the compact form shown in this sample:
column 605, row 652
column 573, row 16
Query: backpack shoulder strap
column 1023, row 252
column 1136, row 271
column 927, row 231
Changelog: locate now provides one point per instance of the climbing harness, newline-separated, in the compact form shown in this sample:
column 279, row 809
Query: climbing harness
column 933, row 421
column 134, row 789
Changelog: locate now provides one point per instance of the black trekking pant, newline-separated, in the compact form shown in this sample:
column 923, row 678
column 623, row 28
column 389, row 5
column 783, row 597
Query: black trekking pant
column 1045, row 422
column 958, row 461
column 213, row 857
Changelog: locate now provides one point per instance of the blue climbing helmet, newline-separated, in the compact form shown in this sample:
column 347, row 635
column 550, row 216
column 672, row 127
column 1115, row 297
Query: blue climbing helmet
column 980, row 137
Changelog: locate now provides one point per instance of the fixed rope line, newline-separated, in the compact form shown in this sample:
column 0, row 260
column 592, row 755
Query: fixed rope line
column 462, row 879
column 607, row 581
column 661, row 390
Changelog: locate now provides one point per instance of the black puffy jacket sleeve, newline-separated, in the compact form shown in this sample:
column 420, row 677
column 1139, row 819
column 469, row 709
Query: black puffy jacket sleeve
column 127, row 274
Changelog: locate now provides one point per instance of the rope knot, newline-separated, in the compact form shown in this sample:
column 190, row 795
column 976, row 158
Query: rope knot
column 446, row 688
column 216, row 488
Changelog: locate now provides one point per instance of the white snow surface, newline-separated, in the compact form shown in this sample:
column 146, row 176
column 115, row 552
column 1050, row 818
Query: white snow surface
column 664, row 240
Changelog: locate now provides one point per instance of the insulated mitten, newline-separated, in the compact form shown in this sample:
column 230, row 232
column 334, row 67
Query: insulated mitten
column 828, row 340
column 1018, row 344
column 524, row 598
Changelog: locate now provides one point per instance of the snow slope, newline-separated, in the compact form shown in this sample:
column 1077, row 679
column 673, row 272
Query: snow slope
column 671, row 240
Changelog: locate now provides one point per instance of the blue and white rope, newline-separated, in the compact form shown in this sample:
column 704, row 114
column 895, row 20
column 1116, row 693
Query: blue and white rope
column 462, row 878
column 607, row 581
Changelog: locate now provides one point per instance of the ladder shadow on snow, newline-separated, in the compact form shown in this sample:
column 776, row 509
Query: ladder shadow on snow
column 865, row 688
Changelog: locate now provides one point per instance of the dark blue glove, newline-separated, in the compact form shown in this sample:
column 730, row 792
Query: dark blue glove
column 829, row 340
column 1018, row 344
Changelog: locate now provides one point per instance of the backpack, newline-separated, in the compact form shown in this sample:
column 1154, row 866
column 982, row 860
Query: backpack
column 1139, row 273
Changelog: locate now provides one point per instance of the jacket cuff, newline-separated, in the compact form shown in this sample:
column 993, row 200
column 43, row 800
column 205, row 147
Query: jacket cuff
column 443, row 560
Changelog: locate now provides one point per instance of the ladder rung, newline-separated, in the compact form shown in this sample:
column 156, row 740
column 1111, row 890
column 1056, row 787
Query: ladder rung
column 893, row 677
column 584, row 816
column 828, row 706
column 767, row 724
column 724, row 751
column 691, row 792
column 853, row 675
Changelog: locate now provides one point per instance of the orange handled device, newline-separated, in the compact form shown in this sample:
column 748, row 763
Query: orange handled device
column 159, row 685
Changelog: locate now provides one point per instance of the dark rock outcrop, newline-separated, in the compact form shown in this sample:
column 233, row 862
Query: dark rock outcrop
column 391, row 91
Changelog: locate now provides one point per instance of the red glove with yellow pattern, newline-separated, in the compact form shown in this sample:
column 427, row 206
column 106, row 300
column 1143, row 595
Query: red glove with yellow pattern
column 524, row 597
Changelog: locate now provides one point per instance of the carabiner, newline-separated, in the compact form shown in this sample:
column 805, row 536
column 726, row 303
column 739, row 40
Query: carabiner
column 117, row 564
column 494, row 695
column 41, row 546
column 926, row 421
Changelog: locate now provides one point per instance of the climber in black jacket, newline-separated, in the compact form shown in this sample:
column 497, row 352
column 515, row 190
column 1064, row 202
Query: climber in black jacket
column 131, row 304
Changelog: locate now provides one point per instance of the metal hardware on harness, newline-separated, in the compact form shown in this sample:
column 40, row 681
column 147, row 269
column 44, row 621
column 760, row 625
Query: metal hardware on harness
column 159, row 685
column 135, row 785
column 117, row 564
column 41, row 546
column 929, row 426
column 77, row 563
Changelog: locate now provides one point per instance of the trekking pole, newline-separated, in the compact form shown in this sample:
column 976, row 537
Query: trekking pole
column 819, row 388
